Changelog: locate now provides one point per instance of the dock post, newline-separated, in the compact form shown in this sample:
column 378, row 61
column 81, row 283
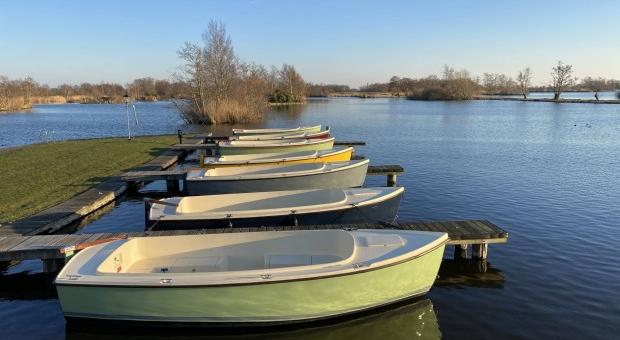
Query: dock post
column 391, row 180
column 52, row 265
column 172, row 185
column 480, row 251
column 460, row 251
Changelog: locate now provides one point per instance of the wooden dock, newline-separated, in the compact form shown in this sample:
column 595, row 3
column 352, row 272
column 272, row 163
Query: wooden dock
column 54, row 249
column 172, row 177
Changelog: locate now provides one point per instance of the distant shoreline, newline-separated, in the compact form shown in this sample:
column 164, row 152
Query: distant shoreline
column 550, row 100
column 371, row 95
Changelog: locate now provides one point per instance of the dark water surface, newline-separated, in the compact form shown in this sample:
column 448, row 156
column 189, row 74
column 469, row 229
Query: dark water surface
column 548, row 173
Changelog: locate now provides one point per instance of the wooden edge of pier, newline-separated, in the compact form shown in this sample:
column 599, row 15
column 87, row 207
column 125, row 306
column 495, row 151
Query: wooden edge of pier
column 207, row 145
column 173, row 176
column 54, row 249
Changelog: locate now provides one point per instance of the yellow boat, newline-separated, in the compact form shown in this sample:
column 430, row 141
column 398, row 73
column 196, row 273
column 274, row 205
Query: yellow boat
column 321, row 156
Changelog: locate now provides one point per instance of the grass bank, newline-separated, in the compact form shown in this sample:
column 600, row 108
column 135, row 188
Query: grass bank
column 36, row 177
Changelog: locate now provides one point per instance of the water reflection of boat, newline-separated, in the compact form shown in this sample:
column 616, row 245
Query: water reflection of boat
column 405, row 321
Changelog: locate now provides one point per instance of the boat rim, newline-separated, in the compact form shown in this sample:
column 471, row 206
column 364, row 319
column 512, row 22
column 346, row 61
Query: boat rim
column 440, row 241
column 274, row 130
column 396, row 191
column 316, row 154
column 273, row 143
column 326, row 168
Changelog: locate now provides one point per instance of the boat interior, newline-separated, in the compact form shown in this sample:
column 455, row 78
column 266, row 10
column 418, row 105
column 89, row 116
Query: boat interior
column 278, row 142
column 229, row 252
column 262, row 171
column 316, row 128
column 252, row 257
column 279, row 156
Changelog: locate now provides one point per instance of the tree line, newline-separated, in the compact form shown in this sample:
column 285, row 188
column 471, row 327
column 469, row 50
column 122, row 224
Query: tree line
column 460, row 85
column 17, row 94
column 224, row 89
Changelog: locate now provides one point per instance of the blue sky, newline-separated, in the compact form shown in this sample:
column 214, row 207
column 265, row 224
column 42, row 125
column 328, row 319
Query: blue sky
column 346, row 42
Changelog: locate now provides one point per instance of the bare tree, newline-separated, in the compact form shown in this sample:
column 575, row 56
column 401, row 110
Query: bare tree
column 562, row 76
column 524, row 79
column 194, row 74
column 224, row 90
column 220, row 61
column 293, row 83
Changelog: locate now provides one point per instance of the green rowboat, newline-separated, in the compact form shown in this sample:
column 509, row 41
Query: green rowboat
column 249, row 278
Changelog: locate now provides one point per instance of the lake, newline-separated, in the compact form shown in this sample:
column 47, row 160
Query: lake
column 547, row 173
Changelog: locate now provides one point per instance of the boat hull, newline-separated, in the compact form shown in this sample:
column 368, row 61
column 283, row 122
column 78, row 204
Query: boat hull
column 264, row 303
column 274, row 148
column 348, row 178
column 383, row 211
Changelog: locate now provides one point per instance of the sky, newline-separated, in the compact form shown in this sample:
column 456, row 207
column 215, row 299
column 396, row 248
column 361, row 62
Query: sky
column 330, row 42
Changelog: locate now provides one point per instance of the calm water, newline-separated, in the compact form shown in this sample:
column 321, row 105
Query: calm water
column 548, row 173
column 74, row 121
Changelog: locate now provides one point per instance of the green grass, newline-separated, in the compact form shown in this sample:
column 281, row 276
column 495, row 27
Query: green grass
column 36, row 177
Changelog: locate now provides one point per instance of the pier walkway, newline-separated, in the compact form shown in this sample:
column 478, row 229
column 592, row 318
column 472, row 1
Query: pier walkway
column 172, row 177
column 54, row 249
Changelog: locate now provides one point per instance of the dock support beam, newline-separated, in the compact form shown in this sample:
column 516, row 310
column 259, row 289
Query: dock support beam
column 480, row 251
column 460, row 251
column 52, row 265
column 391, row 180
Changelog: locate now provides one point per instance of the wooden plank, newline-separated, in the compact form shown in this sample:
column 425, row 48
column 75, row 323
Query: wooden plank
column 414, row 226
column 204, row 146
column 482, row 229
column 385, row 169
column 349, row 143
column 178, row 174
column 142, row 176
column 478, row 241
column 8, row 242
column 456, row 231
column 499, row 231
column 53, row 246
column 437, row 227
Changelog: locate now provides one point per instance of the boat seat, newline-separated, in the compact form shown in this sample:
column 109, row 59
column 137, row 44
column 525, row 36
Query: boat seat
column 232, row 263
column 293, row 260
column 380, row 241
column 196, row 264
